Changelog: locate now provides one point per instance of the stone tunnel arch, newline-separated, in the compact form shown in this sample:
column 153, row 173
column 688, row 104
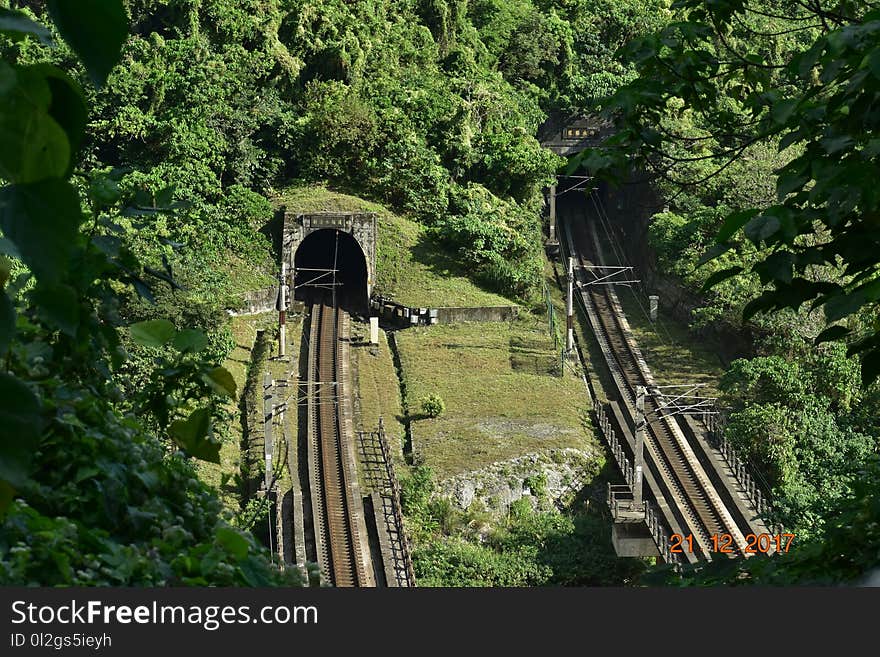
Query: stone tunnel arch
column 313, row 241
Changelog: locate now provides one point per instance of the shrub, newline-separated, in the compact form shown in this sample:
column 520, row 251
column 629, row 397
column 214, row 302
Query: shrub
column 433, row 406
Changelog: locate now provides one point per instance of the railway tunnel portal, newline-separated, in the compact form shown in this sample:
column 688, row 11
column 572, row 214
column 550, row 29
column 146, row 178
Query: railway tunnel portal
column 331, row 251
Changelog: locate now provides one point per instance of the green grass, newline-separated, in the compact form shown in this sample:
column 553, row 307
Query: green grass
column 503, row 397
column 245, row 275
column 280, row 369
column 378, row 391
column 413, row 269
column 673, row 353
column 244, row 330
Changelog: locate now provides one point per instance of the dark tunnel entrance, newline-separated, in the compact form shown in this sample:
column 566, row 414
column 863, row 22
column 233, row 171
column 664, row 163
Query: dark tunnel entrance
column 318, row 255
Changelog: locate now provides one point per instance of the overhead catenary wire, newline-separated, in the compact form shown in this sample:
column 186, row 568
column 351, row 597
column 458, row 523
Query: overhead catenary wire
column 608, row 229
column 604, row 220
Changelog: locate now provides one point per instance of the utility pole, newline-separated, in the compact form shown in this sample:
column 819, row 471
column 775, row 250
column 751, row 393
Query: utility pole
column 552, row 213
column 569, row 321
column 282, row 310
column 268, row 438
column 639, row 446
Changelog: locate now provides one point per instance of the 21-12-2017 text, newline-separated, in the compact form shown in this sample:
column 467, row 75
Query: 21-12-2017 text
column 724, row 543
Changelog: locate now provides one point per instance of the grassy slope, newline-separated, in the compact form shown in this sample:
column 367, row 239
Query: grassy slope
column 244, row 330
column 669, row 348
column 502, row 397
column 412, row 268
column 378, row 391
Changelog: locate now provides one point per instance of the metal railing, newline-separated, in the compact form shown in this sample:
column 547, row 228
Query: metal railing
column 396, row 507
column 744, row 472
column 623, row 509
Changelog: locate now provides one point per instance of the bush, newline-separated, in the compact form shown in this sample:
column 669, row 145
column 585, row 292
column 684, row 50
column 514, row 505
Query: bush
column 433, row 406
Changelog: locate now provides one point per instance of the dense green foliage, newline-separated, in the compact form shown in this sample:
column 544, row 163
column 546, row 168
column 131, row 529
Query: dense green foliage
column 801, row 416
column 800, row 80
column 88, row 495
column 532, row 548
column 756, row 121
column 139, row 201
column 433, row 406
column 142, row 152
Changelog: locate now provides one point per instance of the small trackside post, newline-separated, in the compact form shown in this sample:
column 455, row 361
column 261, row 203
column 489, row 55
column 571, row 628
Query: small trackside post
column 639, row 446
column 569, row 320
column 282, row 310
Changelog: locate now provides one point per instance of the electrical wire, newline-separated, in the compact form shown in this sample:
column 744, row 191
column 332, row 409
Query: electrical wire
column 608, row 229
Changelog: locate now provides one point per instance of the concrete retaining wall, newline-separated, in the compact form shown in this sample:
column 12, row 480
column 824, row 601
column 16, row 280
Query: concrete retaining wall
column 397, row 315
column 480, row 314
column 257, row 301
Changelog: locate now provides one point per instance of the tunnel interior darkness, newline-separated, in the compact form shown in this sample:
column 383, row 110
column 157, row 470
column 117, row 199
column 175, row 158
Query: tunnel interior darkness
column 319, row 251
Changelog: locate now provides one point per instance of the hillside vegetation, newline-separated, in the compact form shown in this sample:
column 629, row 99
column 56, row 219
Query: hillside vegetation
column 147, row 152
column 144, row 149
column 756, row 123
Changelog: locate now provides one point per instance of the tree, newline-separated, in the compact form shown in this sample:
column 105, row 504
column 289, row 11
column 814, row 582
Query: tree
column 87, row 494
column 731, row 75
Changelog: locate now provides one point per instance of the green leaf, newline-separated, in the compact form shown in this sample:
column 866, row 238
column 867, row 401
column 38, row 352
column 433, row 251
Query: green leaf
column 834, row 145
column 33, row 146
column 42, row 220
column 143, row 290
column 732, row 223
column 789, row 139
column 7, row 322
column 190, row 341
column 153, row 332
column 7, row 492
column 8, row 248
column 762, row 227
column 21, row 423
column 804, row 62
column 252, row 571
column 713, row 252
column 781, row 111
column 104, row 191
column 17, row 25
column 68, row 106
column 59, row 306
column 763, row 303
column 777, row 266
column 874, row 62
column 95, row 29
column 842, row 305
column 831, row 333
column 86, row 472
column 221, row 381
column 194, row 436
column 233, row 542
column 788, row 183
column 870, row 367
column 719, row 276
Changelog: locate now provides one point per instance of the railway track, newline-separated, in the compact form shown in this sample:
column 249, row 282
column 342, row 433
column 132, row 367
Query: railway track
column 699, row 504
column 337, row 508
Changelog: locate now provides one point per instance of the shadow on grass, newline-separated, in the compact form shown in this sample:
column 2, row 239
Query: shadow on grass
column 415, row 417
column 439, row 260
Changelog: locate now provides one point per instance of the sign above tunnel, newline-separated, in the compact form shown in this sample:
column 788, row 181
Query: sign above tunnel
column 328, row 220
column 567, row 135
